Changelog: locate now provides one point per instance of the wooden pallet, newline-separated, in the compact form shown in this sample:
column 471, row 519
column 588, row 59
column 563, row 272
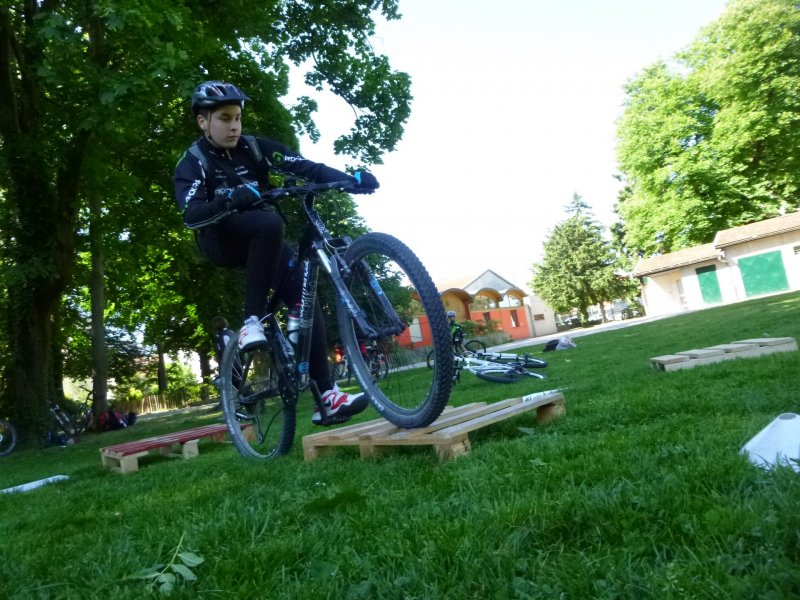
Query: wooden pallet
column 449, row 434
column 124, row 458
column 688, row 359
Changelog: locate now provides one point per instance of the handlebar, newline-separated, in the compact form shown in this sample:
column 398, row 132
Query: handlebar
column 312, row 188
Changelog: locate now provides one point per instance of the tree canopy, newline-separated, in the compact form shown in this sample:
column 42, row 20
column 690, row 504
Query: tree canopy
column 95, row 110
column 709, row 140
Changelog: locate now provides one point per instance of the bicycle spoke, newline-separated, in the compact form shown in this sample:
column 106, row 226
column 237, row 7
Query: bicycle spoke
column 260, row 422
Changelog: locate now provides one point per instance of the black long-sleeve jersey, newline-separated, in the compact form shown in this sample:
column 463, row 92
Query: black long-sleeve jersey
column 202, row 193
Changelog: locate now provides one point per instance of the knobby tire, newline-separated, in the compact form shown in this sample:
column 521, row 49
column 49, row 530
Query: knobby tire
column 251, row 396
column 409, row 397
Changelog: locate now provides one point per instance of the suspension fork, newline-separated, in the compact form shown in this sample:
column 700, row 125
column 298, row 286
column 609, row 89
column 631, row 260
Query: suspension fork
column 334, row 268
column 309, row 270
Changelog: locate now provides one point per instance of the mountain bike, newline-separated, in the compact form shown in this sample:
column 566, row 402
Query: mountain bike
column 68, row 425
column 8, row 437
column 377, row 362
column 383, row 295
column 498, row 367
column 460, row 348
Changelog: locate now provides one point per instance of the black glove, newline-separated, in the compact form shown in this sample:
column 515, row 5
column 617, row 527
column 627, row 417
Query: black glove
column 366, row 182
column 243, row 197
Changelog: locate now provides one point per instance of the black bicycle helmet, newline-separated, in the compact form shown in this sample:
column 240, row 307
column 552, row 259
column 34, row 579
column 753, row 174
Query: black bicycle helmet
column 212, row 94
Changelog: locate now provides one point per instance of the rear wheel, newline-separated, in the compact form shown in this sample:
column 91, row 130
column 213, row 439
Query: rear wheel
column 8, row 437
column 261, row 423
column 475, row 346
column 411, row 397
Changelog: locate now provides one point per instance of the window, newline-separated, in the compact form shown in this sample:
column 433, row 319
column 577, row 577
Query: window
column 482, row 303
column 510, row 301
column 486, row 318
column 514, row 318
column 538, row 317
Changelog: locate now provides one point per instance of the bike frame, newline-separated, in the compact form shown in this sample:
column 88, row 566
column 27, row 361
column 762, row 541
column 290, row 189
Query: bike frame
column 319, row 249
column 492, row 360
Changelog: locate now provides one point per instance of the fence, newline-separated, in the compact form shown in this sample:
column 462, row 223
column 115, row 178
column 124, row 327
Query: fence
column 156, row 402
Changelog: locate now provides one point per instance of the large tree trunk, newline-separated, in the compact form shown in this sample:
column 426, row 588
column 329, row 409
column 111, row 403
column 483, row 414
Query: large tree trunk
column 205, row 373
column 42, row 202
column 97, row 293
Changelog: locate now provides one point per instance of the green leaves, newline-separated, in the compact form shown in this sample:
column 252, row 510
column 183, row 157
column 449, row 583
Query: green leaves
column 709, row 140
column 165, row 577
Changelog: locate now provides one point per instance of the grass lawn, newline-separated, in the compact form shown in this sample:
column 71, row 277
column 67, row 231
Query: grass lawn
column 639, row 491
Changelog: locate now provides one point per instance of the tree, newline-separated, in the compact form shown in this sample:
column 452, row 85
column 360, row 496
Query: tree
column 709, row 142
column 94, row 98
column 579, row 268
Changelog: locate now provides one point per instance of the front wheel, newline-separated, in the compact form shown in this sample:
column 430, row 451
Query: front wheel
column 260, row 422
column 475, row 346
column 8, row 437
column 398, row 300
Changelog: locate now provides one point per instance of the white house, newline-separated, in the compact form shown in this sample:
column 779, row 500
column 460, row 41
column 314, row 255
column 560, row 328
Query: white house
column 741, row 263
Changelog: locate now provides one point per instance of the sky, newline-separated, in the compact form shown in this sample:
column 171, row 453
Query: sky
column 514, row 111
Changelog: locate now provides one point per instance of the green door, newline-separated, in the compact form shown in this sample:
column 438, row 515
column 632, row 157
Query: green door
column 709, row 284
column 763, row 274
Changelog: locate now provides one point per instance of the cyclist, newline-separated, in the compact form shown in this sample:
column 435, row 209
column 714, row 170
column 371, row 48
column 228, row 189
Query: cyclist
column 217, row 187
column 456, row 331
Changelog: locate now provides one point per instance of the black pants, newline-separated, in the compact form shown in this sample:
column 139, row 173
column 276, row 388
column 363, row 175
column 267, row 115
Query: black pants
column 254, row 241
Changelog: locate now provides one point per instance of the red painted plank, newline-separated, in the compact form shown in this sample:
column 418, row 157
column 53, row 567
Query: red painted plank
column 160, row 441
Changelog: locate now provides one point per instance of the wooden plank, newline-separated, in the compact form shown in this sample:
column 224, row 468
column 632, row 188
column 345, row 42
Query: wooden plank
column 722, row 352
column 668, row 359
column 505, row 412
column 448, row 434
column 124, row 457
column 700, row 353
column 461, row 414
column 734, row 347
column 768, row 341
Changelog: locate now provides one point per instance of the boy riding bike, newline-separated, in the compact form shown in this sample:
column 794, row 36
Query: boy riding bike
column 218, row 184
column 456, row 331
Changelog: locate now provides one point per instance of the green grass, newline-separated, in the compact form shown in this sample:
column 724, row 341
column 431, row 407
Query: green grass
column 639, row 491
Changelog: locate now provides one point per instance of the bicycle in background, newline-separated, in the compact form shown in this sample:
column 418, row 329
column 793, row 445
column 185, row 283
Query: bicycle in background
column 377, row 362
column 497, row 367
column 8, row 437
column 460, row 348
column 66, row 426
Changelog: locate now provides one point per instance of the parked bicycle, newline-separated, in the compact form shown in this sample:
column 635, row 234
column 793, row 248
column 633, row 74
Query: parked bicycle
column 460, row 348
column 377, row 362
column 375, row 279
column 497, row 367
column 340, row 369
column 65, row 425
column 8, row 437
